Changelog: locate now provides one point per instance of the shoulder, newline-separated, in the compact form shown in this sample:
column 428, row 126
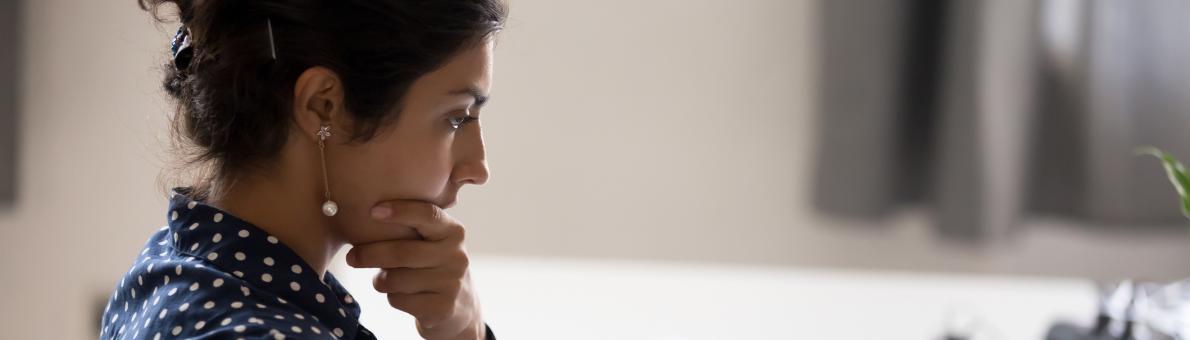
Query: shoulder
column 168, row 294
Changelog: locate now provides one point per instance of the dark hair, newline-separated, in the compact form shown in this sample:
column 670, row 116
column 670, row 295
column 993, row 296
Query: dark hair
column 234, row 100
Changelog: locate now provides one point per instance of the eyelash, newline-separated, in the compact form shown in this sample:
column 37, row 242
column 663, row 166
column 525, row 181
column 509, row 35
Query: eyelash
column 457, row 122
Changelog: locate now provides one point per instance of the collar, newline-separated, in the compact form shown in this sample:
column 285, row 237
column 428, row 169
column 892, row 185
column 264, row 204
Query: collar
column 239, row 248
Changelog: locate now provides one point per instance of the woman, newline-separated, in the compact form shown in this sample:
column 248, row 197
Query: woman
column 312, row 124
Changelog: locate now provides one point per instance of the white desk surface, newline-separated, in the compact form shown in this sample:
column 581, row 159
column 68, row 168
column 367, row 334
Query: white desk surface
column 544, row 298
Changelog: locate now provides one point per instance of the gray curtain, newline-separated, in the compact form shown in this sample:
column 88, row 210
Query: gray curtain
column 988, row 112
column 9, row 54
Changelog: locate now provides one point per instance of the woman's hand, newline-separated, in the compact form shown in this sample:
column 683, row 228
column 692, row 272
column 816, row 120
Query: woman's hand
column 426, row 278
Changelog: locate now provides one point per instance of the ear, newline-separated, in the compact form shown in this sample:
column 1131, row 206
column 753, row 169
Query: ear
column 318, row 101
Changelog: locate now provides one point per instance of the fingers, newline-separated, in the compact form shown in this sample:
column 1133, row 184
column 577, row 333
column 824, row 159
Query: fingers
column 430, row 309
column 396, row 254
column 430, row 221
column 416, row 281
column 407, row 254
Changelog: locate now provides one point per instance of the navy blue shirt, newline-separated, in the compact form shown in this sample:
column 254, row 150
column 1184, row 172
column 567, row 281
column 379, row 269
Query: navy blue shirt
column 210, row 275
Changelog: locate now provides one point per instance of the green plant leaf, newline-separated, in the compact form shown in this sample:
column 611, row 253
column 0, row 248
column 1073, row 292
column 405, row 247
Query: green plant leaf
column 1176, row 173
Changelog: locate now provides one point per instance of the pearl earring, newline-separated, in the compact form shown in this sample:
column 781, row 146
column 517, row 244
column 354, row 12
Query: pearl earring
column 329, row 208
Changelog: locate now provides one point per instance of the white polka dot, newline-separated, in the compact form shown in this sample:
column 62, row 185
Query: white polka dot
column 272, row 239
column 268, row 261
column 342, row 312
column 240, row 256
column 319, row 297
column 244, row 290
column 266, row 277
column 212, row 256
column 299, row 316
column 140, row 280
column 194, row 286
column 218, row 237
column 162, row 314
column 225, row 322
column 296, row 269
column 218, row 217
column 175, row 239
column 281, row 300
column 315, row 330
column 191, row 204
column 279, row 317
column 208, row 305
column 261, row 306
column 166, row 279
column 239, row 328
column 278, row 336
column 173, row 291
column 177, row 330
column 194, row 226
column 184, row 307
column 217, row 283
column 243, row 233
column 348, row 299
column 295, row 286
column 338, row 332
column 255, row 321
column 239, row 274
column 178, row 269
column 296, row 329
column 200, row 324
column 173, row 216
column 157, row 336
column 237, row 305
column 194, row 246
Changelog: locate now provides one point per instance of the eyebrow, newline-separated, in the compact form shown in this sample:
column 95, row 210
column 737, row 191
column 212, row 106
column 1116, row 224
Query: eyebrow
column 479, row 97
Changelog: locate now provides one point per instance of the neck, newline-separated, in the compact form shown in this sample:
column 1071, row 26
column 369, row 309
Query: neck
column 287, row 211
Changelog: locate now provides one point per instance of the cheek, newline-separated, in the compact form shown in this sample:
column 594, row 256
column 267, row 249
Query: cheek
column 415, row 167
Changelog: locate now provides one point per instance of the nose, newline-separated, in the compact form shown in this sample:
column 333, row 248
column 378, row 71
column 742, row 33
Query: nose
column 471, row 166
column 472, row 173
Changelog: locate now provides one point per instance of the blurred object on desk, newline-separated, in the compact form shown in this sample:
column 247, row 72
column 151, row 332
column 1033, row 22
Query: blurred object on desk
column 1134, row 311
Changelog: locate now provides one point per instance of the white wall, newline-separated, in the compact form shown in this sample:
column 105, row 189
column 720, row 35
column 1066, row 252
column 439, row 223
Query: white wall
column 662, row 130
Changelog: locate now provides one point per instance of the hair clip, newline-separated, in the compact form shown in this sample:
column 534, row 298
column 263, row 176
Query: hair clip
column 181, row 49
column 272, row 46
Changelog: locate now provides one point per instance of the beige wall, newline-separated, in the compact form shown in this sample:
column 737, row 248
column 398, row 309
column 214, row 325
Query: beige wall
column 667, row 130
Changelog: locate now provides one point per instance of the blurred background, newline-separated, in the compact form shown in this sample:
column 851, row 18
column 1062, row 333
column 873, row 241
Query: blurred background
column 695, row 169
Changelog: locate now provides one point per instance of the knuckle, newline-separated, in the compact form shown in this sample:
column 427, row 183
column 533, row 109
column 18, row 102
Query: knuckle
column 462, row 260
column 454, row 287
column 431, row 211
column 395, row 301
column 460, row 231
column 378, row 281
column 439, row 314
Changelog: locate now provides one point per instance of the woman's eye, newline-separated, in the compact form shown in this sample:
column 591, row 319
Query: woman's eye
column 457, row 122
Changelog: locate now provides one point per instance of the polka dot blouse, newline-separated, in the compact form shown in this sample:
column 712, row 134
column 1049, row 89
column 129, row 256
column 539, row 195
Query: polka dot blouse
column 209, row 275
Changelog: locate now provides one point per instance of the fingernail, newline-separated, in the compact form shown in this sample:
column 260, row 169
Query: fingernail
column 351, row 259
column 381, row 212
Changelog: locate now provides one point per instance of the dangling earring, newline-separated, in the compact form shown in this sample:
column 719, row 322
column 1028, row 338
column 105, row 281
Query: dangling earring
column 329, row 208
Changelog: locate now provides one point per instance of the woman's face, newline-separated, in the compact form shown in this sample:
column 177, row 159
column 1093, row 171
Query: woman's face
column 426, row 154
